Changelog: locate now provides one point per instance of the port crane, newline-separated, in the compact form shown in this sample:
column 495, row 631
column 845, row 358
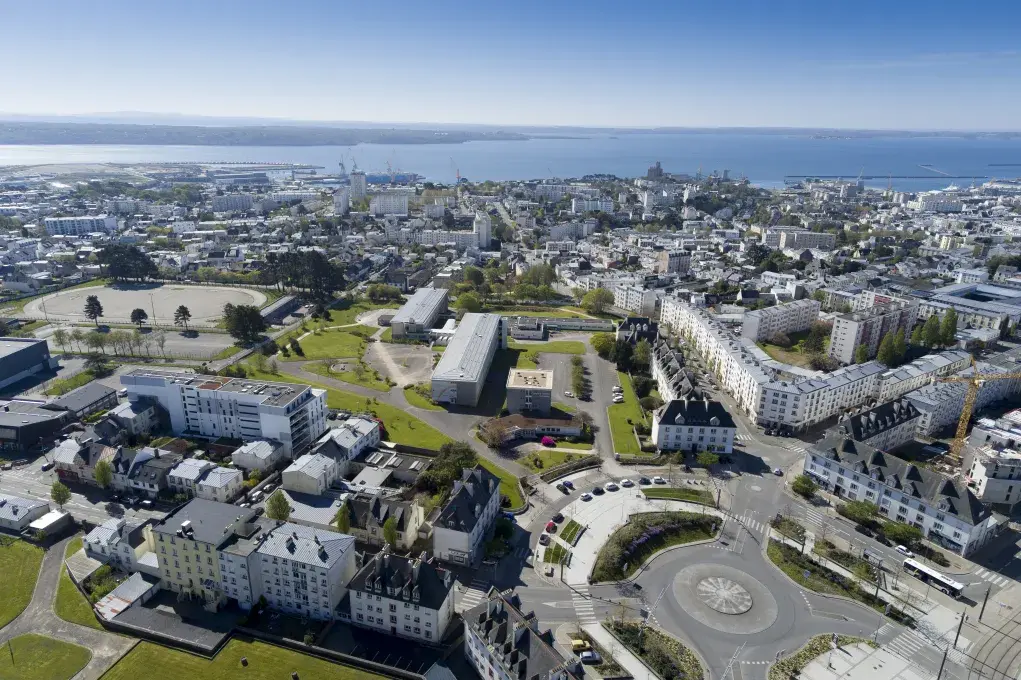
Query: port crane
column 974, row 382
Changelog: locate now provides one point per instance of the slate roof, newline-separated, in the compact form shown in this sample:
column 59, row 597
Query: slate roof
column 695, row 412
column 475, row 488
column 884, row 417
column 945, row 494
column 13, row 508
column 84, row 396
column 211, row 522
column 372, row 510
column 317, row 547
column 416, row 580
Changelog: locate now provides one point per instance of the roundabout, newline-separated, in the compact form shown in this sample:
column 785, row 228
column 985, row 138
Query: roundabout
column 725, row 598
column 724, row 595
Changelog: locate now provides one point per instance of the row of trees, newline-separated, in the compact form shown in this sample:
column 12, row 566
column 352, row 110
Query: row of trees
column 124, row 262
column 121, row 343
column 934, row 333
column 93, row 311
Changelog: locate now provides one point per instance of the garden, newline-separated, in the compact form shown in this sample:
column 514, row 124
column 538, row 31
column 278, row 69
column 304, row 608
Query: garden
column 809, row 574
column 703, row 496
column 624, row 417
column 555, row 553
column 644, row 535
column 667, row 657
column 571, row 531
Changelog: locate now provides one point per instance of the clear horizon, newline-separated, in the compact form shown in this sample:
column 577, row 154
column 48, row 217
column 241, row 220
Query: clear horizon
column 906, row 66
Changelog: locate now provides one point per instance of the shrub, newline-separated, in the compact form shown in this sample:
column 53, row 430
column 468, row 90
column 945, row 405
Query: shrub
column 780, row 340
column 641, row 385
column 650, row 403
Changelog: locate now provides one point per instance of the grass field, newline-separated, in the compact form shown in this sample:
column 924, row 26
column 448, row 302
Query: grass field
column 550, row 313
column 19, row 563
column 341, row 343
column 418, row 400
column 365, row 377
column 820, row 579
column 550, row 347
column 340, row 316
column 787, row 356
column 554, row 553
column 508, row 483
column 624, row 440
column 265, row 662
column 65, row 385
column 387, row 335
column 580, row 446
column 227, row 352
column 401, row 427
column 570, row 531
column 545, row 458
column 70, row 604
column 37, row 657
column 691, row 495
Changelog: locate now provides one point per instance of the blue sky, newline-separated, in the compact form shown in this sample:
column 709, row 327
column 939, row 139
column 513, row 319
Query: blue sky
column 893, row 64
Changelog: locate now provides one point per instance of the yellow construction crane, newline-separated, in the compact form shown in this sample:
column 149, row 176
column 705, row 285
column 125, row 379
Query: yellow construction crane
column 974, row 382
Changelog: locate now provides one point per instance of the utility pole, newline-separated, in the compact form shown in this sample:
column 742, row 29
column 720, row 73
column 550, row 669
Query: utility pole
column 959, row 626
column 985, row 600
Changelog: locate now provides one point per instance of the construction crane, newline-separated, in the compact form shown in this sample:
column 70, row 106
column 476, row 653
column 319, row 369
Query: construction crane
column 974, row 382
column 457, row 170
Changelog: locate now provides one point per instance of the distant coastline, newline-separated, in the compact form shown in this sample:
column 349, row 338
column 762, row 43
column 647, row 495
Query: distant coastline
column 19, row 132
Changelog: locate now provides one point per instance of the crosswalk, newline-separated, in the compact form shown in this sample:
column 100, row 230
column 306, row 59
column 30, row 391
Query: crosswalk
column 752, row 524
column 476, row 593
column 522, row 552
column 745, row 438
column 906, row 644
column 583, row 608
column 795, row 447
column 815, row 517
column 992, row 577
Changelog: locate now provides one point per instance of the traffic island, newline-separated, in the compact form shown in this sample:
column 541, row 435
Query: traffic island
column 646, row 534
column 792, row 666
column 661, row 653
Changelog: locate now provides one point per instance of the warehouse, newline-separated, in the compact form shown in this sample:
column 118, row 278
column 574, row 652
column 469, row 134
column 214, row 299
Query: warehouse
column 418, row 315
column 461, row 372
column 22, row 357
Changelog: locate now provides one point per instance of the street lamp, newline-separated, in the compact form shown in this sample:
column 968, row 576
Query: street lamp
column 153, row 306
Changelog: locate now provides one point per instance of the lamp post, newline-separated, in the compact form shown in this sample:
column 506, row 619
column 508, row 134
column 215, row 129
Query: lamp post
column 152, row 305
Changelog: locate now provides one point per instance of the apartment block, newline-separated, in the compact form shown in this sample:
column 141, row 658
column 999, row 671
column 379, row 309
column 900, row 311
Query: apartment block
column 215, row 406
column 791, row 317
column 529, row 391
column 466, row 519
column 884, row 427
column 693, row 425
column 868, row 327
column 896, row 382
column 76, row 226
column 636, row 299
column 673, row 261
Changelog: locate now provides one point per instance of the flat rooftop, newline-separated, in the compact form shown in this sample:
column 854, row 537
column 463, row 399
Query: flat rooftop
column 273, row 393
column 466, row 352
column 524, row 379
column 10, row 346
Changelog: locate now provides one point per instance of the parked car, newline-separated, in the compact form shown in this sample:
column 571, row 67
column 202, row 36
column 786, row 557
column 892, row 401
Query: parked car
column 617, row 389
column 626, row 483
column 568, row 393
column 578, row 645
column 544, row 539
column 562, row 489
column 551, row 527
column 903, row 550
column 618, row 399
column 591, row 657
column 586, row 496
column 48, row 465
column 861, row 529
column 558, row 518
column 644, row 481
column 549, row 571
column 778, row 472
column 147, row 504
column 612, row 487
column 568, row 483
column 658, row 480
column 598, row 490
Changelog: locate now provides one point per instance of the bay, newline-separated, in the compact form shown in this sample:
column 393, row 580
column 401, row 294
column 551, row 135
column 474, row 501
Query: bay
column 765, row 159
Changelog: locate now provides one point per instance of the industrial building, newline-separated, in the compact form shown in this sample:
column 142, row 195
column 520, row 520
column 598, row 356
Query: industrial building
column 461, row 372
column 23, row 357
column 529, row 391
column 418, row 315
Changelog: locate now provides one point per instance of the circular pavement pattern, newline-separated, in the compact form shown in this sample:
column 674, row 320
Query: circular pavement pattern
column 724, row 598
column 724, row 595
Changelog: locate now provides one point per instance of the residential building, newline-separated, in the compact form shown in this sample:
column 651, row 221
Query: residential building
column 636, row 299
column 403, row 596
column 801, row 240
column 147, row 479
column 342, row 201
column 311, row 474
column 584, row 205
column 358, row 185
column 971, row 275
column 86, row 400
column 347, row 440
column 868, row 327
column 389, row 203
column 791, row 317
column 529, row 391
column 946, row 511
column 461, row 371
column 467, row 517
column 23, row 357
column 992, row 460
column 370, row 510
column 17, row 513
column 262, row 455
column 215, row 406
column 139, row 417
column 502, row 642
column 232, row 202
column 78, row 226
column 672, row 381
column 673, row 261
column 121, row 545
column 896, row 382
column 205, row 479
column 304, row 571
column 693, row 425
column 884, row 427
column 418, row 315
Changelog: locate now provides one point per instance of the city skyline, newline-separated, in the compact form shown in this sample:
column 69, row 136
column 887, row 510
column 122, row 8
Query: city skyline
column 906, row 66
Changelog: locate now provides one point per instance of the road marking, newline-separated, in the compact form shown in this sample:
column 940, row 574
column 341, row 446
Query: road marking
column 475, row 593
column 907, row 644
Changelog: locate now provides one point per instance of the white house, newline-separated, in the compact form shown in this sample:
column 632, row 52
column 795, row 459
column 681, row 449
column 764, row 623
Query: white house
column 121, row 545
column 205, row 479
column 311, row 474
column 17, row 513
column 261, row 455
column 467, row 517
column 693, row 425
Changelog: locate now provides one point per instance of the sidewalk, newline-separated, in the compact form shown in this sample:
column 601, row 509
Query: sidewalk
column 861, row 662
column 625, row 658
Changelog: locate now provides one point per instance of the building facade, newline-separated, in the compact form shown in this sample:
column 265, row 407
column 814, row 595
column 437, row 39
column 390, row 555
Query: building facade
column 467, row 518
column 693, row 425
column 529, row 391
column 868, row 327
column 461, row 372
column 791, row 317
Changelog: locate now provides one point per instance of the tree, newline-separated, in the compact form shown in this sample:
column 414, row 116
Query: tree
column 903, row 534
column 390, row 530
column 860, row 512
column 60, row 494
column 948, row 328
column 861, row 354
column 93, row 308
column 243, row 322
column 96, row 364
column 623, row 355
column 343, row 518
column 127, row 262
column 916, row 336
column 468, row 302
column 819, row 296
column 930, row 332
column 596, row 301
column 182, row 315
column 886, row 355
column 78, row 335
column 103, row 473
column 160, row 338
column 707, row 459
column 138, row 316
column 96, row 340
column 474, row 276
column 900, row 347
column 60, row 336
column 803, row 485
column 277, row 507
column 643, row 352
column 603, row 343
column 816, row 339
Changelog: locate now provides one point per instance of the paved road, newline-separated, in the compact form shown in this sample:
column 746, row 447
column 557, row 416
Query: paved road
column 39, row 618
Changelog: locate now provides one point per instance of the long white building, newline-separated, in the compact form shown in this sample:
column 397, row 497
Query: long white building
column 461, row 372
column 76, row 226
column 418, row 315
column 215, row 406
column 792, row 317
column 897, row 382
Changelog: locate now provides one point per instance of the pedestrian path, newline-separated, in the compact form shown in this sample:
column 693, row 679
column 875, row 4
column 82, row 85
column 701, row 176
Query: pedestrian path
column 476, row 593
column 582, row 602
column 745, row 438
column 993, row 577
column 907, row 644
column 752, row 524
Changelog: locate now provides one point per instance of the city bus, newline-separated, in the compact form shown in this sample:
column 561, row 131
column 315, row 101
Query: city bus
column 933, row 577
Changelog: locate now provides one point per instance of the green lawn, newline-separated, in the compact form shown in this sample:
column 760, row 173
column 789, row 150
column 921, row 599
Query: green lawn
column 365, row 377
column 65, row 385
column 340, row 315
column 32, row 326
column 419, row 400
column 554, row 553
column 570, row 531
column 70, row 604
column 692, row 495
column 265, row 662
column 551, row 347
column 549, row 313
column 227, row 352
column 580, row 446
column 387, row 335
column 617, row 560
column 566, row 408
column 36, row 657
column 624, row 440
column 546, row 458
column 19, row 563
column 508, row 483
column 331, row 344
column 820, row 579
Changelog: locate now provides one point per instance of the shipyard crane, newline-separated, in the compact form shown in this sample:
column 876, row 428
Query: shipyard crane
column 974, row 382
column 457, row 170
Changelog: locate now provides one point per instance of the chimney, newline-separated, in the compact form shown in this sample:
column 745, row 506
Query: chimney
column 478, row 509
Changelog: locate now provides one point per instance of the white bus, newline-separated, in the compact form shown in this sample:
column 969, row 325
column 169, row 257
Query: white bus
column 940, row 581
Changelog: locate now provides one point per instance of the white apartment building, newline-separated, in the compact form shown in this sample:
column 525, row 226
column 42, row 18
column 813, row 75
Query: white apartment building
column 945, row 510
column 801, row 404
column 215, row 406
column 342, row 201
column 896, row 382
column 936, row 201
column 288, row 195
column 801, row 240
column 584, row 205
column 992, row 465
column 76, row 226
column 791, row 317
column 232, row 202
column 868, row 327
column 466, row 519
column 389, row 203
column 312, row 474
column 692, row 425
column 482, row 226
column 778, row 279
column 941, row 403
column 403, row 596
column 971, row 275
column 636, row 299
column 359, row 186
column 205, row 479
